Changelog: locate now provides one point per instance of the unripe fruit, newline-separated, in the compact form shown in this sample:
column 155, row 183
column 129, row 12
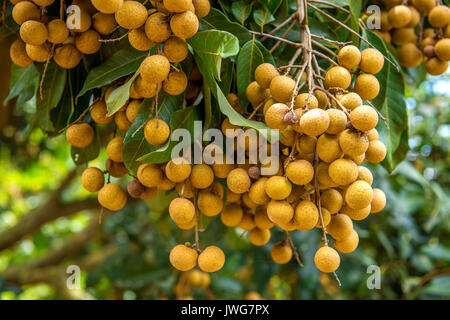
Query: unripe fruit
column 282, row 88
column 131, row 15
column 184, row 25
column 38, row 53
column 155, row 68
column 332, row 200
column 350, row 100
column 274, row 117
column 300, row 172
column 18, row 54
column 349, row 57
column 92, row 179
column 327, row 259
column 259, row 237
column 367, row 86
column 280, row 212
column 278, row 188
column 80, row 135
column 378, row 202
column 365, row 174
column 138, row 40
column 202, row 8
column 442, row 49
column 257, row 192
column 256, row 94
column 238, row 181
column 33, row 32
column 281, row 252
column 261, row 219
column 183, row 258
column 112, row 197
column 348, row 244
column 328, row 148
column 353, row 143
column 135, row 189
column 105, row 24
column 175, row 83
column 202, row 176
column 175, row 49
column 410, row 56
column 343, row 171
column 314, row 122
column 306, row 215
column 364, row 118
column 114, row 149
column 399, row 16
column 264, row 74
column 67, row 56
column 338, row 121
column 338, row 77
column 157, row 27
column 372, row 61
column 107, row 6
column 376, row 152
column 178, row 170
column 88, row 42
column 24, row 11
column 232, row 215
column 122, row 123
column 436, row 67
column 359, row 194
column 181, row 210
column 57, row 31
column 340, row 226
column 356, row 214
column 150, row 175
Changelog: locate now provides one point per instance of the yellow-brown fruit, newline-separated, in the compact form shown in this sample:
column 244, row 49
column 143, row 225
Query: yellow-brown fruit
column 338, row 77
column 248, row 202
column 436, row 67
column 259, row 237
column 233, row 100
column 278, row 188
column 247, row 223
column 166, row 184
column 181, row 210
column 367, row 86
column 175, row 49
column 81, row 24
column 399, row 16
column 350, row 100
column 322, row 98
column 57, row 31
column 157, row 27
column 303, row 100
column 202, row 8
column 326, row 216
column 105, row 24
column 184, row 25
column 155, row 68
column 424, row 6
column 202, row 176
column 349, row 57
column 314, row 122
column 177, row 5
column 288, row 136
column 18, row 54
column 378, row 202
column 184, row 189
column 415, row 17
column 132, row 110
column 327, row 259
column 306, row 144
column 85, row 5
column 114, row 149
column 233, row 197
column 328, row 148
column 156, row 132
column 282, row 88
column 264, row 74
column 33, row 32
column 238, row 181
column 428, row 41
column 67, row 56
column 384, row 35
column 348, row 244
column 229, row 129
column 183, row 258
column 338, row 121
column 356, row 214
column 332, row 200
column 115, row 169
column 88, row 42
column 353, row 143
column 107, row 6
column 261, row 219
column 384, row 20
column 281, row 252
column 306, row 215
column 92, row 179
column 410, row 56
column 343, row 171
column 403, row 36
column 24, row 11
column 145, row 89
column 447, row 31
column 256, row 94
column 359, row 194
column 364, row 118
column 257, row 192
column 138, row 40
column 376, row 152
column 232, row 215
column 150, row 175
column 80, row 135
column 43, row 3
column 274, row 117
column 300, row 172
column 340, row 226
column 372, row 61
column 112, row 197
column 38, row 53
column 175, row 83
column 131, row 15
column 122, row 123
column 280, row 212
column 442, row 49
column 365, row 174
column 211, row 259
column 178, row 170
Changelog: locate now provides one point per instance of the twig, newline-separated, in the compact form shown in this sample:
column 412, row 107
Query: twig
column 294, row 44
column 338, row 43
column 379, row 114
column 320, row 54
column 41, row 84
column 337, row 279
column 115, row 39
column 294, row 250
column 283, row 35
column 281, row 25
column 294, row 58
column 321, row 46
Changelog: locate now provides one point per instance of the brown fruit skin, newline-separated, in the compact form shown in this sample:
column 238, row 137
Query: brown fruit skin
column 157, row 27
column 175, row 83
column 155, row 68
column 181, row 210
column 38, row 53
column 133, row 110
column 372, row 61
column 282, row 88
column 436, row 67
column 211, row 259
column 114, row 149
column 399, row 16
column 327, row 259
column 338, row 121
column 175, row 49
column 33, row 32
column 57, row 31
column 376, row 152
column 138, row 40
column 264, row 74
column 88, row 42
column 67, row 56
column 442, row 49
column 410, row 56
column 359, row 195
column 24, row 11
column 364, row 118
column 238, row 181
column 349, row 57
column 105, row 24
column 150, row 175
column 183, row 258
column 259, row 237
column 328, row 148
column 80, row 135
column 379, row 201
column 367, row 86
column 116, row 169
column 108, row 7
column 92, row 179
column 112, row 197
column 202, row 8
column 303, row 100
column 281, row 252
column 131, row 15
column 184, row 25
column 314, row 122
column 338, row 77
column 349, row 244
column 135, row 189
column 177, row 6
column 403, row 36
column 18, row 54
column 439, row 16
column 156, row 132
column 274, row 117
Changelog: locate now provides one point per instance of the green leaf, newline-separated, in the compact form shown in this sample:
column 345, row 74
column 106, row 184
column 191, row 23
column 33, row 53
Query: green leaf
column 272, row 5
column 241, row 11
column 267, row 56
column 122, row 63
column 21, row 79
column 88, row 153
column 263, row 17
column 119, row 96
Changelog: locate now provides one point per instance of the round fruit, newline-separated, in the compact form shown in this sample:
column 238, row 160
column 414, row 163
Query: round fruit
column 364, row 118
column 278, row 188
column 365, row 174
column 232, row 215
column 38, row 53
column 332, row 200
column 175, row 49
column 257, row 192
column 183, row 258
column 67, row 56
column 322, row 98
column 238, row 181
column 24, row 11
column 80, row 135
column 338, row 121
column 92, row 179
column 282, row 88
column 349, row 57
column 372, row 61
column 202, row 8
column 274, row 117
column 403, row 36
column 306, row 215
column 107, row 6
column 247, row 223
column 256, row 94
column 328, row 148
column 178, row 170
column 410, row 56
column 121, row 120
column 114, row 149
column 367, row 86
column 350, row 100
column 281, row 252
column 157, row 27
column 435, row 67
column 175, row 83
column 424, row 6
column 264, row 74
column 155, row 68
column 33, row 32
column 112, row 197
column 399, row 16
column 259, row 237
column 133, row 110
column 135, row 189
column 338, row 77
column 359, row 194
column 131, row 15
column 439, row 16
column 261, row 219
column 88, row 42
column 343, row 171
column 348, row 244
column 340, row 226
column 379, row 201
column 202, row 176
column 442, row 49
column 184, row 25
column 376, row 152
column 105, row 24
column 314, row 122
column 280, row 212
column 211, row 259
column 57, row 31
column 78, row 22
column 18, row 54
column 181, row 210
column 145, row 89
column 327, row 259
column 138, row 40
column 177, row 5
column 353, row 143
column 300, row 172
column 150, row 175
column 356, row 214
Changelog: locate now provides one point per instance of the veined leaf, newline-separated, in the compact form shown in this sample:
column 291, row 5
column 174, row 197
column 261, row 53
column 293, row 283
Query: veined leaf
column 119, row 96
column 263, row 17
column 21, row 79
column 272, row 5
column 241, row 11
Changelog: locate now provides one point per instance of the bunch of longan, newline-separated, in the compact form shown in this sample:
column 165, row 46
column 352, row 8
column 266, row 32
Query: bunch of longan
column 421, row 31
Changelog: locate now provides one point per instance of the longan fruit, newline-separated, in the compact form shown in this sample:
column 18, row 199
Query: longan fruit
column 356, row 214
column 85, row 21
column 157, row 27
column 145, row 89
column 359, row 194
column 184, row 25
column 261, row 219
column 112, row 197
column 327, row 259
column 288, row 136
column 233, row 100
column 212, row 258
column 238, row 181
column 107, row 6
column 349, row 57
column 67, row 56
column 403, row 36
column 202, row 176
column 132, row 110
column 436, row 67
column 33, row 32
column 282, row 88
column 300, row 172
column 314, row 122
column 181, row 210
column 92, row 179
column 281, row 252
column 257, row 192
column 343, row 171
column 121, row 120
column 399, row 16
column 80, row 135
column 322, row 98
column 304, row 99
column 202, row 8
column 384, row 21
column 338, row 121
column 424, row 6
column 247, row 223
column 410, row 56
column 353, row 143
column 24, row 11
column 328, row 148
column 259, row 237
column 233, row 197
column 18, row 54
column 232, row 215
column 131, row 15
column 138, row 40
column 378, row 202
column 115, row 169
column 332, row 200
column 376, row 152
column 166, row 184
column 38, row 53
column 372, row 134
column 367, row 86
column 247, row 202
column 372, row 61
column 442, row 49
column 57, row 31
column 274, row 117
column 415, row 17
column 85, row 5
column 384, row 35
column 88, row 42
column 264, row 74
column 326, row 216
column 256, row 94
column 155, row 68
column 350, row 100
column 306, row 144
column 175, row 49
column 280, row 212
column 114, row 149
column 306, row 215
column 439, row 16
column 278, row 188
column 175, row 83
column 135, row 189
column 340, row 226
column 105, row 24
column 364, row 118
column 150, row 175
column 184, row 189
column 348, row 244
column 365, row 174
column 338, row 77
column 177, row 6
column 183, row 258
column 178, row 170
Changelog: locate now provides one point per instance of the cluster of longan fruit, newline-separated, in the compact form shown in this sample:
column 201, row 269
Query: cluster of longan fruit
column 421, row 31
column 190, row 280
